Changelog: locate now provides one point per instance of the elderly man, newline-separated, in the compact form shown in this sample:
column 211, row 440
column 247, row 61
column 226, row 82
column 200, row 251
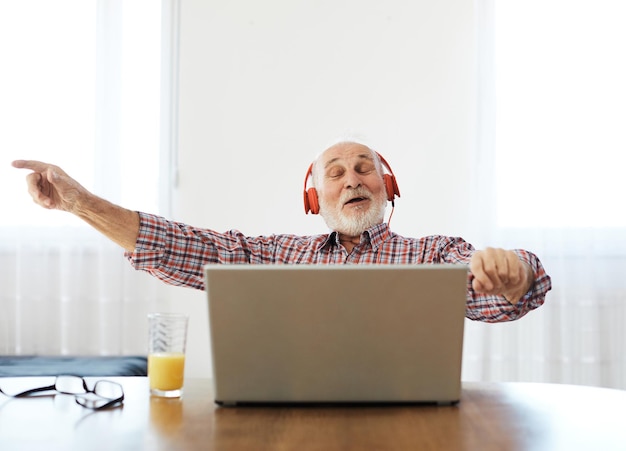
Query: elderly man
column 350, row 192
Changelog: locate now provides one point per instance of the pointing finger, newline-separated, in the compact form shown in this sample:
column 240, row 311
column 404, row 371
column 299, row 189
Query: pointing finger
column 33, row 165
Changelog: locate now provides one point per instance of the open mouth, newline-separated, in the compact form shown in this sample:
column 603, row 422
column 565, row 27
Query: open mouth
column 355, row 200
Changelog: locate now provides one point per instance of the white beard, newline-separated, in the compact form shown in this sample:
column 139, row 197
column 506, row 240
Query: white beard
column 361, row 220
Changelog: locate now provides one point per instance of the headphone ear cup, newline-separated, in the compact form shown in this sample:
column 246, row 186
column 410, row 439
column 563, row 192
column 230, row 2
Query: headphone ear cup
column 391, row 186
column 310, row 201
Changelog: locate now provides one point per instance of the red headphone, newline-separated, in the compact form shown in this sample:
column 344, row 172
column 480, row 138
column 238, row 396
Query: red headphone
column 311, row 203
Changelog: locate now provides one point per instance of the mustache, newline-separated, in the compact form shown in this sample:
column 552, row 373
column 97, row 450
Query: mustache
column 353, row 193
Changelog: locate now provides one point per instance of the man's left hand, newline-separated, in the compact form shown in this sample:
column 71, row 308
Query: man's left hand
column 501, row 272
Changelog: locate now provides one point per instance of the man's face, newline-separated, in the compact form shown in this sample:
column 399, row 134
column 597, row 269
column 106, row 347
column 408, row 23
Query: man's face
column 350, row 189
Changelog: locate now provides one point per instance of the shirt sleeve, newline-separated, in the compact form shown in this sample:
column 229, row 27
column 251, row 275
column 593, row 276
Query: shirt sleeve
column 176, row 253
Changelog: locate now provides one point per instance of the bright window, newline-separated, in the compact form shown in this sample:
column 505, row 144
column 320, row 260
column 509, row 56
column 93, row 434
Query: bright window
column 80, row 87
column 560, row 113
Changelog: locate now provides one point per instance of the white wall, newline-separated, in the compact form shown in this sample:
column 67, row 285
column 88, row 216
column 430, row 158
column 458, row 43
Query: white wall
column 266, row 86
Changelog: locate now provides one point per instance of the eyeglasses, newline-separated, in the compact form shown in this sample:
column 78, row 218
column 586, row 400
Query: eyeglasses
column 104, row 394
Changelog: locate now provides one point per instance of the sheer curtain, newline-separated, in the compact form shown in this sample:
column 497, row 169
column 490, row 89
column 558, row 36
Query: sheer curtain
column 88, row 85
column 548, row 168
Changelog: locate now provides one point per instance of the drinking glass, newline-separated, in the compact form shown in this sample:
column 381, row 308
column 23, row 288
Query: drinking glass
column 166, row 353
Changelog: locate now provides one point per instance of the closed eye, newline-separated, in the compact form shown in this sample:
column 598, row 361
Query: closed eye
column 365, row 168
column 335, row 172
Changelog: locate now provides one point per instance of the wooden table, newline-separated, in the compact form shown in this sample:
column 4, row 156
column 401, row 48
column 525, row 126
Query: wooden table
column 490, row 416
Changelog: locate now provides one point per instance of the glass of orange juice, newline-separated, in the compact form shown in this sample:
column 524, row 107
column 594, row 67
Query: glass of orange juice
column 166, row 353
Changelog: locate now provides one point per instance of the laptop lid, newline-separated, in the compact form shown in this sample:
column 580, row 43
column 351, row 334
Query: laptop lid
column 336, row 334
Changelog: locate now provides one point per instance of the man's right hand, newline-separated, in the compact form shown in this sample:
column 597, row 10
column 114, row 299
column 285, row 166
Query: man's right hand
column 51, row 187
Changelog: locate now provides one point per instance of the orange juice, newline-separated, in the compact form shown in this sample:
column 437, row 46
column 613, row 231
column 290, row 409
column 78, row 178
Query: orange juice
column 166, row 370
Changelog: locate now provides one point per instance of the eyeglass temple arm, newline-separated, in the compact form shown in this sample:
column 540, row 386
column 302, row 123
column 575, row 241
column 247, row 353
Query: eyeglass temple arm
column 34, row 390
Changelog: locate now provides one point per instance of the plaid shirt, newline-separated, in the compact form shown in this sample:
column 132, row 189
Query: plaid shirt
column 176, row 253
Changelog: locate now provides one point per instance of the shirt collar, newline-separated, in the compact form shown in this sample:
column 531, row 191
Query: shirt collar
column 375, row 235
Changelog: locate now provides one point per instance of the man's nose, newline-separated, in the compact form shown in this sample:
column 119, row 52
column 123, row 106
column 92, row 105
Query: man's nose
column 353, row 179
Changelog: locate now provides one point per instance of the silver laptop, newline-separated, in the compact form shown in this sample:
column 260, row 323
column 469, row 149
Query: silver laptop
column 336, row 333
